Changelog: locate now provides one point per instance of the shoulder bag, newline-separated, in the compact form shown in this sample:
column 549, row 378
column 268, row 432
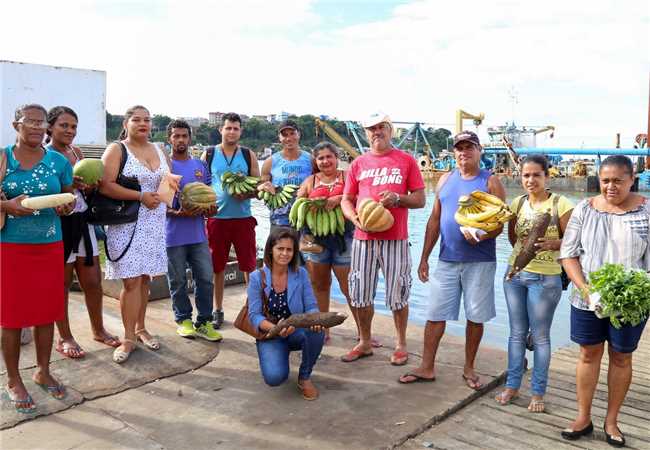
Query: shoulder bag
column 243, row 323
column 103, row 210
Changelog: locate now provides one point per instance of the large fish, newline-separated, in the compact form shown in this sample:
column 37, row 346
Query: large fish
column 528, row 249
column 324, row 319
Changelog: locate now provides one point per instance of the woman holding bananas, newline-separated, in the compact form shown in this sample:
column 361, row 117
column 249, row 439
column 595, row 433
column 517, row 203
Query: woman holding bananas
column 533, row 293
column 318, row 213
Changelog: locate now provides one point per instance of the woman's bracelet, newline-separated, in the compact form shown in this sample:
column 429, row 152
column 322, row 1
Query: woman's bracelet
column 141, row 196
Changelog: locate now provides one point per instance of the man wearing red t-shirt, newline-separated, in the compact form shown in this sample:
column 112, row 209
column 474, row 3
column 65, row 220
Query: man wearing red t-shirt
column 392, row 177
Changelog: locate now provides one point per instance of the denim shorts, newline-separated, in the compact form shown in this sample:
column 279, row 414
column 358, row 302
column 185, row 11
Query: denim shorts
column 474, row 281
column 332, row 256
column 588, row 329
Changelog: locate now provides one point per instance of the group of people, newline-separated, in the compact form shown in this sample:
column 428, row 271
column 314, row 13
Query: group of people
column 611, row 227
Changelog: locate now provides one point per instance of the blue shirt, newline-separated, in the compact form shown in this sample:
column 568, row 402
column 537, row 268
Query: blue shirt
column 48, row 176
column 285, row 172
column 300, row 296
column 229, row 207
column 453, row 245
column 187, row 230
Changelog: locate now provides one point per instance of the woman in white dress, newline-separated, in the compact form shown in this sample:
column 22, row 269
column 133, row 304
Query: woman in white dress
column 146, row 256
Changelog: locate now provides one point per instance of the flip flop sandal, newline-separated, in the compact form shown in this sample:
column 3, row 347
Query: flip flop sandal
column 151, row 343
column 308, row 394
column 57, row 390
column 66, row 348
column 16, row 401
column 111, row 341
column 354, row 355
column 120, row 356
column 534, row 404
column 502, row 400
column 473, row 382
column 416, row 378
column 399, row 358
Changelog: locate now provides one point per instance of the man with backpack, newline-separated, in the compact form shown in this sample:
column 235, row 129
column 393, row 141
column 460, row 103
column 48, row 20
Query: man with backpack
column 233, row 224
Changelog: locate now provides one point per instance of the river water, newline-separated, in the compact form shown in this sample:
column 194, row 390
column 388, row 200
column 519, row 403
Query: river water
column 497, row 330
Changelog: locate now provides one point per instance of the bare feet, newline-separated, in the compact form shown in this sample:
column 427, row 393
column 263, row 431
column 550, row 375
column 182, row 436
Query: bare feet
column 472, row 380
column 418, row 374
column 506, row 396
column 536, row 404
column 49, row 384
column 106, row 338
column 69, row 348
column 20, row 398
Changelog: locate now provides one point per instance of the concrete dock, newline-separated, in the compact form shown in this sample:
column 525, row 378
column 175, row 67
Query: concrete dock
column 196, row 394
column 486, row 425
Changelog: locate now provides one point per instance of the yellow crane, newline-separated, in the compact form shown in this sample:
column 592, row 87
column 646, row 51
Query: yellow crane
column 460, row 115
column 337, row 138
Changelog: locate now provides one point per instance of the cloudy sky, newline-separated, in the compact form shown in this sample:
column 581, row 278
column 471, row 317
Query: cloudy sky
column 582, row 66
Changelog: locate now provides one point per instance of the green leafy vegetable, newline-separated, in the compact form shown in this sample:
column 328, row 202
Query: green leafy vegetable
column 624, row 294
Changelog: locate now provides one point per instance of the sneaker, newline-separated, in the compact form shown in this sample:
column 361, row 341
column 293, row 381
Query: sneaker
column 217, row 318
column 186, row 329
column 207, row 331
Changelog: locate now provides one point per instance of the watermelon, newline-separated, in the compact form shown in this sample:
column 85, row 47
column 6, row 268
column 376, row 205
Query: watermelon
column 89, row 170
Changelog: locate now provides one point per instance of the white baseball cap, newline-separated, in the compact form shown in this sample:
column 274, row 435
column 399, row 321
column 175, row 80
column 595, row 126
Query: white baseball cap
column 374, row 119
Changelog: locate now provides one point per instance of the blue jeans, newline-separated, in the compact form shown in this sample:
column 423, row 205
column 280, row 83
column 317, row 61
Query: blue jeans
column 199, row 260
column 532, row 299
column 274, row 355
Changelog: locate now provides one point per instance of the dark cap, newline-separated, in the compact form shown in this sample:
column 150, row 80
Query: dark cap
column 468, row 136
column 288, row 124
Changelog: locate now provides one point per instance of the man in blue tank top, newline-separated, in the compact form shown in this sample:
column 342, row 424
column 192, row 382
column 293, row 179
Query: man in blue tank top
column 233, row 224
column 291, row 165
column 466, row 267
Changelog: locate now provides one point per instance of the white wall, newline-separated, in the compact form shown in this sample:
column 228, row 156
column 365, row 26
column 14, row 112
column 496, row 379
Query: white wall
column 82, row 90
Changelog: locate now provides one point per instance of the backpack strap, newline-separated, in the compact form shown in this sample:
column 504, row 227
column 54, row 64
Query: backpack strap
column 519, row 203
column 246, row 153
column 555, row 215
column 209, row 156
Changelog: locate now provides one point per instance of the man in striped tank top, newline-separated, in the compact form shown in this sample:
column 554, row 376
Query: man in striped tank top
column 392, row 177
column 466, row 267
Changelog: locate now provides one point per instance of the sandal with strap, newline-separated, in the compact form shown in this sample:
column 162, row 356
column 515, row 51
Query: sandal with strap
column 120, row 356
column 151, row 343
column 536, row 405
column 20, row 401
column 70, row 349
column 504, row 397
column 56, row 390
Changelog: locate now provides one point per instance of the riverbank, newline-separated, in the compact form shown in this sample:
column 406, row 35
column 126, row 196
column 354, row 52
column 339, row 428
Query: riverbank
column 195, row 394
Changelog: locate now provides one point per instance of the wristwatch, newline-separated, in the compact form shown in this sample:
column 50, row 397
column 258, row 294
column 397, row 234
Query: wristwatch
column 396, row 199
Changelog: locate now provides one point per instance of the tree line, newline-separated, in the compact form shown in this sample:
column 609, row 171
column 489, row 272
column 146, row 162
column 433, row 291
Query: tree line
column 258, row 134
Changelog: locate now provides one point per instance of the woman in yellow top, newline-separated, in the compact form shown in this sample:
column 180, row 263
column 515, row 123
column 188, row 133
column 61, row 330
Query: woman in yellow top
column 533, row 294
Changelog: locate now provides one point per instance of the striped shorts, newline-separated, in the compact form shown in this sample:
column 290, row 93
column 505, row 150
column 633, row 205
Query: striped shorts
column 394, row 259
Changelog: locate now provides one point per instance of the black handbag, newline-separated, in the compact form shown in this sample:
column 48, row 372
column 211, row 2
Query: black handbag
column 103, row 210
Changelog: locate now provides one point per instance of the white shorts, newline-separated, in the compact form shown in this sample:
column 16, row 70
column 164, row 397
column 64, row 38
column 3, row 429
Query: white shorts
column 81, row 250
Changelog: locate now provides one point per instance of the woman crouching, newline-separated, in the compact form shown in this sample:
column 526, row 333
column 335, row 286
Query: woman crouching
column 288, row 290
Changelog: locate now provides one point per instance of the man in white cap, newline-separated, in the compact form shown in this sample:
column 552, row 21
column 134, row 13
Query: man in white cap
column 392, row 177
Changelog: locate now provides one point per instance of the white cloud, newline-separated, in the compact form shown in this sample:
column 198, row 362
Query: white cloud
column 580, row 65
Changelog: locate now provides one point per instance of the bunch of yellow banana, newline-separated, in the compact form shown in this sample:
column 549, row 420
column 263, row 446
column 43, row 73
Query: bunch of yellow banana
column 320, row 221
column 481, row 210
column 238, row 183
column 281, row 197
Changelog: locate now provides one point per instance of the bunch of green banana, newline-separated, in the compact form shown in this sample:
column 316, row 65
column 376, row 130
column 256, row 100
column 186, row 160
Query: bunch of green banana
column 238, row 183
column 483, row 211
column 320, row 221
column 281, row 197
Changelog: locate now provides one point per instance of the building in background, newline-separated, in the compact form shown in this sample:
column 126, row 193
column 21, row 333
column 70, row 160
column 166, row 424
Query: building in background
column 214, row 118
column 194, row 122
column 83, row 90
column 281, row 116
